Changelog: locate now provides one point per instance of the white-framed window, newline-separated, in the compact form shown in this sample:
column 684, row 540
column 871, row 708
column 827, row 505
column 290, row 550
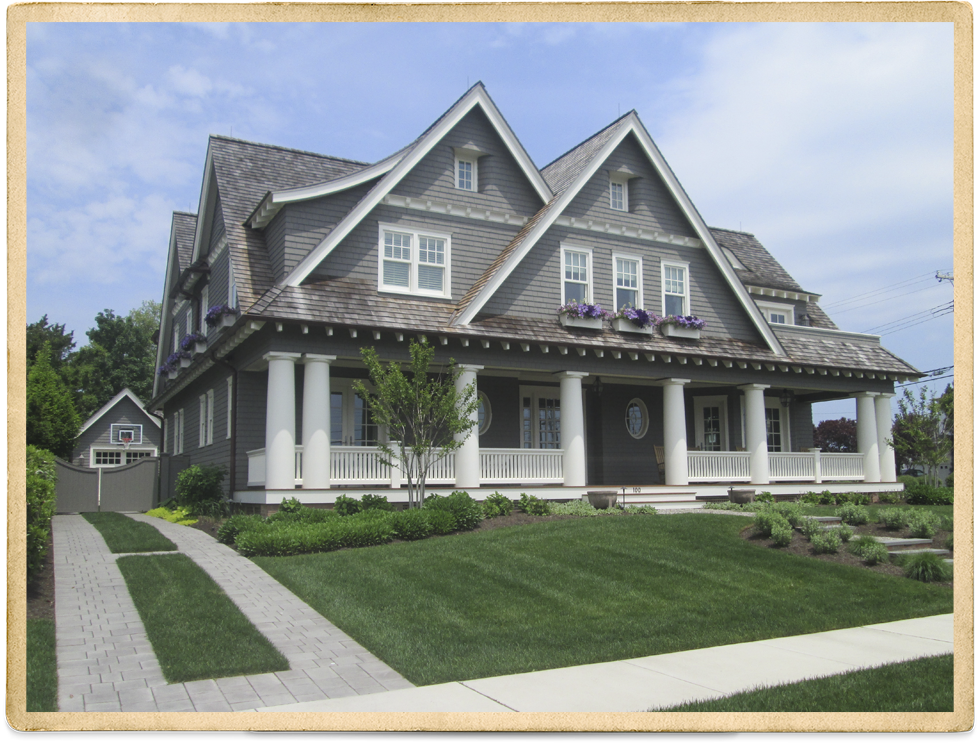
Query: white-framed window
column 164, row 436
column 619, row 194
column 576, row 274
column 627, row 281
column 711, row 423
column 179, row 432
column 676, row 289
column 176, row 335
column 119, row 432
column 202, row 435
column 637, row 418
column 230, row 405
column 189, row 320
column 781, row 314
column 204, row 311
column 351, row 421
column 413, row 261
column 209, row 429
column 540, row 418
column 484, row 413
column 777, row 425
column 466, row 169
column 106, row 458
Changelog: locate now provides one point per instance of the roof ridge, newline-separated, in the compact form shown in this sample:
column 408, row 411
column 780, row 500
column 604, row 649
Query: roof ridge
column 731, row 231
column 591, row 137
column 287, row 148
column 185, row 213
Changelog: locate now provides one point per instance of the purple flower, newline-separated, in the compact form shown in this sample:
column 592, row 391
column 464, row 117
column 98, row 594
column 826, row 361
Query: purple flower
column 586, row 311
column 214, row 313
column 683, row 321
column 190, row 339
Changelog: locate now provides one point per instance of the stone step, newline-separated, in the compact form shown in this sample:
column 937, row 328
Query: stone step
column 906, row 552
column 888, row 541
column 948, row 561
column 823, row 518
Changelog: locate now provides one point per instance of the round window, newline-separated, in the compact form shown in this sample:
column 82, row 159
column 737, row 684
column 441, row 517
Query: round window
column 637, row 419
column 483, row 413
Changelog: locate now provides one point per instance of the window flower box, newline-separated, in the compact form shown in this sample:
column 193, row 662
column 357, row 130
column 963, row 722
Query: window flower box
column 588, row 316
column 172, row 374
column 196, row 341
column 686, row 326
column 676, row 331
column 622, row 325
column 221, row 315
column 200, row 346
column 632, row 320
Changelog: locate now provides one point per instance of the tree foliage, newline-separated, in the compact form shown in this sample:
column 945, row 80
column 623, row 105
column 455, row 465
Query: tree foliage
column 836, row 435
column 919, row 432
column 423, row 414
column 52, row 422
column 61, row 343
column 42, row 476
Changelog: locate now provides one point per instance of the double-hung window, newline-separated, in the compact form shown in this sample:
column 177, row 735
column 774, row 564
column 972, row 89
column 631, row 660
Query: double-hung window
column 627, row 275
column 202, row 422
column 675, row 289
column 413, row 261
column 576, row 274
column 618, row 194
column 466, row 166
column 782, row 314
column 209, row 428
column 204, row 311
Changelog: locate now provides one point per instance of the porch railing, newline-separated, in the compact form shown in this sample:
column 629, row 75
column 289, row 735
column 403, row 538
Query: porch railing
column 502, row 466
column 808, row 466
column 842, row 466
column 717, row 466
column 793, row 466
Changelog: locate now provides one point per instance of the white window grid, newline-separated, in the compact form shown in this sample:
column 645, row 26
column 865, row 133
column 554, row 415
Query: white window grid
column 576, row 275
column 637, row 418
column 627, row 281
column 414, row 261
column 782, row 314
column 188, row 321
column 676, row 286
column 465, row 173
column 618, row 195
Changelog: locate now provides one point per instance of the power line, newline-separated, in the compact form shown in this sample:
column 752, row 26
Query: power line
column 938, row 311
column 920, row 382
column 877, row 292
column 913, row 324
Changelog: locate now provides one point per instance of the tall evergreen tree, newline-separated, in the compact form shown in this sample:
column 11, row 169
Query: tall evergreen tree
column 52, row 422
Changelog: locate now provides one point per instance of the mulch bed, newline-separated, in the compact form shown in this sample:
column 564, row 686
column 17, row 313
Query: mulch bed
column 800, row 546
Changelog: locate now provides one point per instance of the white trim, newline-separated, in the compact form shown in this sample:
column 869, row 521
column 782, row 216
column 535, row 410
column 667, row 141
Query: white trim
column 799, row 296
column 414, row 262
column 232, row 286
column 624, row 230
column 230, row 398
column 445, row 208
column 686, row 267
column 487, row 412
column 203, row 206
column 698, row 403
column 210, row 418
column 120, row 427
column 801, row 330
column 189, row 320
column 622, row 180
column 534, row 392
column 770, row 402
column 123, row 454
column 202, row 437
column 467, row 156
column 204, row 309
column 589, row 282
column 730, row 256
column 787, row 310
column 644, row 415
column 124, row 393
column 477, row 96
column 639, row 277
column 179, row 431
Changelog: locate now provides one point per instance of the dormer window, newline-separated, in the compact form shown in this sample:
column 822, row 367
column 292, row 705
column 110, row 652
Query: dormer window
column 467, row 168
column 619, row 190
column 781, row 314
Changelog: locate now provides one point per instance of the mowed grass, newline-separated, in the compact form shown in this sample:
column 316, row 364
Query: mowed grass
column 195, row 629
column 567, row 593
column 917, row 686
column 42, row 667
column 123, row 535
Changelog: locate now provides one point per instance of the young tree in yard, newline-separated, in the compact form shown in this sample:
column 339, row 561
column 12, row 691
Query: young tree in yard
column 52, row 422
column 836, row 435
column 422, row 414
column 918, row 433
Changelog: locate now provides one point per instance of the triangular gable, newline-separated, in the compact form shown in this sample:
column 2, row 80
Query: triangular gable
column 613, row 136
column 476, row 96
column 124, row 393
column 182, row 231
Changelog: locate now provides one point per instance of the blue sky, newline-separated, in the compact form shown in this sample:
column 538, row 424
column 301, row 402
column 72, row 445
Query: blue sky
column 832, row 143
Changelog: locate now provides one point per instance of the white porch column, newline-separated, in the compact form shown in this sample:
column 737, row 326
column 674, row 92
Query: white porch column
column 316, row 421
column 573, row 427
column 755, row 433
column 883, row 419
column 280, row 421
column 468, row 455
column 675, row 433
column 867, row 436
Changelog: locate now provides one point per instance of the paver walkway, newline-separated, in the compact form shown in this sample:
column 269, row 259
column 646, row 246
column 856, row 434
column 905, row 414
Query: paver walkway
column 106, row 662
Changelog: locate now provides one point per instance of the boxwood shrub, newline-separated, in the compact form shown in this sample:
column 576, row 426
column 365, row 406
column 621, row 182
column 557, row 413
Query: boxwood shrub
column 376, row 502
column 461, row 505
column 496, row 505
column 442, row 521
column 236, row 524
column 345, row 505
column 412, row 525
column 531, row 505
column 925, row 494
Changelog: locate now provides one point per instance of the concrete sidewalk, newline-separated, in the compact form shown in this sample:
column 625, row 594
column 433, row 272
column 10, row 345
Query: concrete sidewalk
column 665, row 680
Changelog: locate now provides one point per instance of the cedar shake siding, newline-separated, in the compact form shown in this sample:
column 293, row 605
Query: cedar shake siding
column 98, row 434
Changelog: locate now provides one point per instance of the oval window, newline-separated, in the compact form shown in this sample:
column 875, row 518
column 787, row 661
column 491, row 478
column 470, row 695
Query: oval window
column 637, row 419
column 483, row 413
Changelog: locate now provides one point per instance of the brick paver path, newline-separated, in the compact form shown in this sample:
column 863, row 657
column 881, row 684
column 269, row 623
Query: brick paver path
column 106, row 662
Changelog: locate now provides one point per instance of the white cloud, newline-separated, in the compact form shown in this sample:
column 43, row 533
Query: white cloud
column 189, row 82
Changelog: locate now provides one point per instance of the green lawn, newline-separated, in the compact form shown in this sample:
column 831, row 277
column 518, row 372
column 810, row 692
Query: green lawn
column 559, row 594
column 42, row 667
column 195, row 629
column 123, row 535
column 887, row 689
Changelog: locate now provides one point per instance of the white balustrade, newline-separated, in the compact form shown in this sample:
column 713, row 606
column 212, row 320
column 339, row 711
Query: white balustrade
column 443, row 471
column 357, row 465
column 506, row 466
column 717, row 466
column 842, row 466
column 792, row 466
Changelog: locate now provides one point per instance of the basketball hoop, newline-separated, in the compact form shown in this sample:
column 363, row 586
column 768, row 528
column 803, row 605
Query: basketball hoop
column 125, row 442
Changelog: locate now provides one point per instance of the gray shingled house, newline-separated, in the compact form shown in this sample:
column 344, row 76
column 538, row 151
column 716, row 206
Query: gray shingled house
column 460, row 239
column 119, row 433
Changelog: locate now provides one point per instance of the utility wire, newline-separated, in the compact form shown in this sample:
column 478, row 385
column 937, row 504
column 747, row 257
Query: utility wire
column 882, row 290
column 920, row 382
column 912, row 325
column 873, row 302
column 936, row 311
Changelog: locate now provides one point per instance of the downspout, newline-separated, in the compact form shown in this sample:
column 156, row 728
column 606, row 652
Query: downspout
column 232, row 463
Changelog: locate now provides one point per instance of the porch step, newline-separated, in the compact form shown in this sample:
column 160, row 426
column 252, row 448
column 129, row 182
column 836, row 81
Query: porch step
column 906, row 552
column 898, row 542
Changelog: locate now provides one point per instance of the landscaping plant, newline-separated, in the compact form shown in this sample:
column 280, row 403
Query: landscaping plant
column 179, row 515
column 375, row 502
column 827, row 542
column 496, row 505
column 853, row 515
column 412, row 524
column 809, row 527
column 531, row 505
column 441, row 521
column 345, row 505
column 199, row 488
column 870, row 550
column 893, row 518
column 41, row 479
column 927, row 568
column 845, row 532
column 921, row 524
column 460, row 505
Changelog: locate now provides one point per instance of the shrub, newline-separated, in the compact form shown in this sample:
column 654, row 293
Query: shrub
column 766, row 497
column 463, row 507
column 853, row 515
column 827, row 498
column 290, row 505
column 856, row 498
column 845, row 532
column 782, row 535
column 199, row 489
column 441, row 521
column 376, row 502
column 766, row 522
column 730, row 506
column 810, row 498
column 948, row 544
column 290, row 538
column 828, row 542
column 894, row 518
column 42, row 477
column 945, row 523
column 367, row 529
column 531, row 505
column 809, row 527
column 413, row 524
column 497, row 504
column 792, row 511
column 639, row 510
column 870, row 550
column 926, row 568
column 180, row 515
column 236, row 524
column 574, row 508
column 345, row 505
column 949, row 480
column 890, row 498
column 921, row 524
column 924, row 494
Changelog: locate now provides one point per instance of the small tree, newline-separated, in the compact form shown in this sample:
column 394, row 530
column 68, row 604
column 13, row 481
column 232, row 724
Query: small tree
column 918, row 433
column 836, row 435
column 422, row 414
column 52, row 422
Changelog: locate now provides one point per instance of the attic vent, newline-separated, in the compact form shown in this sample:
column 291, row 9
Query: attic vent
column 732, row 259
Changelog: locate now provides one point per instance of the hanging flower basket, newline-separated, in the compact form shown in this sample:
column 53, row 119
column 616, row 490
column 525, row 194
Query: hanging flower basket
column 676, row 326
column 588, row 316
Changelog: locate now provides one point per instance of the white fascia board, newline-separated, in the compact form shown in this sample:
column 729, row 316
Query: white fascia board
column 395, row 175
column 538, row 231
column 678, row 193
column 274, row 201
column 202, row 209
